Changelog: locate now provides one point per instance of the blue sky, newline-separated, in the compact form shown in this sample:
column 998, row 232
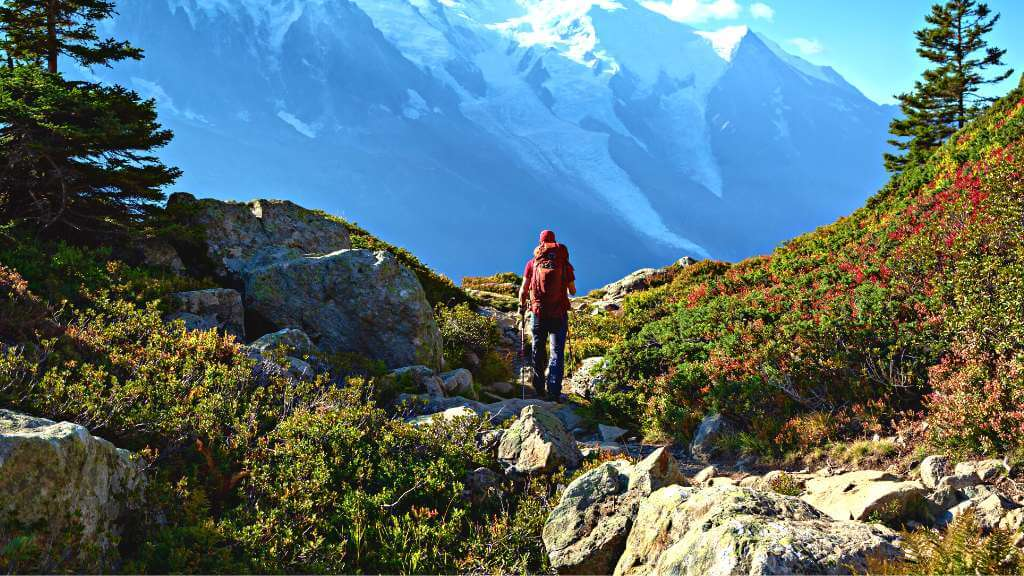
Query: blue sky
column 870, row 42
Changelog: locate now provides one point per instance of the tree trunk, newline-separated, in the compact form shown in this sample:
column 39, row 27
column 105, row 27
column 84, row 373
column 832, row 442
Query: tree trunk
column 52, row 47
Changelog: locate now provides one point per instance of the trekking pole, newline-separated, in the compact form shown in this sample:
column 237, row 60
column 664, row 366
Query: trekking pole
column 522, row 351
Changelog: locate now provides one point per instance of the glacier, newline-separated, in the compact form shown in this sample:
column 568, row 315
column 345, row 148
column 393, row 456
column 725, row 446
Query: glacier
column 460, row 128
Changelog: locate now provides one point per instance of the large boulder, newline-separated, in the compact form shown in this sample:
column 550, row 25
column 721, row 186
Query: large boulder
column 859, row 495
column 744, row 531
column 242, row 236
column 707, row 440
column 354, row 301
column 586, row 532
column 537, row 442
column 62, row 478
column 213, row 308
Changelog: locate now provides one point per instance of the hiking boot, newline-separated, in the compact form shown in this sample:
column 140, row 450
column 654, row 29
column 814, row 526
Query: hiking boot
column 557, row 398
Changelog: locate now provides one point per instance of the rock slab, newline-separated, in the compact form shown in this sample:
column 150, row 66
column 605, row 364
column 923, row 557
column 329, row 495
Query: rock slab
column 351, row 301
column 60, row 475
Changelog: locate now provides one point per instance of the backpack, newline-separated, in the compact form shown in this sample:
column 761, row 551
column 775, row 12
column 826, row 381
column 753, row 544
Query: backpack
column 548, row 288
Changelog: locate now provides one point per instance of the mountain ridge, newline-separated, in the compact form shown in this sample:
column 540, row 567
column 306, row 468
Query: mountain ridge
column 359, row 105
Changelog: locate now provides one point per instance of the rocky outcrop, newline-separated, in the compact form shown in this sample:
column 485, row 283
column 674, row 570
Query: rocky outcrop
column 586, row 532
column 537, row 442
column 350, row 301
column 213, row 308
column 859, row 495
column 586, row 380
column 298, row 271
column 61, row 477
column 707, row 440
column 745, row 531
column 613, row 295
column 242, row 236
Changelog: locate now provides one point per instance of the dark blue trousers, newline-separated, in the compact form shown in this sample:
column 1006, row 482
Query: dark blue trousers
column 549, row 331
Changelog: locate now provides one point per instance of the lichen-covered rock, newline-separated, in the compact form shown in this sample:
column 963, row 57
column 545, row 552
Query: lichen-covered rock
column 933, row 469
column 160, row 254
column 707, row 440
column 656, row 471
column 294, row 341
column 354, row 301
column 745, row 531
column 60, row 476
column 538, row 442
column 446, row 416
column 857, row 495
column 458, row 382
column 585, row 381
column 705, row 476
column 219, row 308
column 987, row 470
column 418, row 378
column 586, row 532
column 243, row 236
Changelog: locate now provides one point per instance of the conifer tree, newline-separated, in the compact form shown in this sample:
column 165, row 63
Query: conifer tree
column 948, row 96
column 41, row 31
column 75, row 157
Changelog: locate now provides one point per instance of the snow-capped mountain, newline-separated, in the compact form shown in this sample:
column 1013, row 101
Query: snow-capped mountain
column 638, row 138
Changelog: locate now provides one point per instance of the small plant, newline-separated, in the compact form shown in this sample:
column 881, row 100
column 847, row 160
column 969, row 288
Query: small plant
column 786, row 485
column 962, row 549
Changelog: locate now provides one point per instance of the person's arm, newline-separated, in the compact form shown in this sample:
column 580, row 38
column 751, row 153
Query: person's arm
column 572, row 279
column 524, row 290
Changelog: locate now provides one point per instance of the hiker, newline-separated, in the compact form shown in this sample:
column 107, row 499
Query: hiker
column 548, row 280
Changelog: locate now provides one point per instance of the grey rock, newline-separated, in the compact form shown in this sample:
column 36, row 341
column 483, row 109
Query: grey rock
column 933, row 469
column 959, row 481
column 858, row 495
column 736, row 530
column 294, row 341
column 421, row 378
column 458, row 382
column 242, row 236
column 55, row 473
column 658, row 470
column 707, row 440
column 586, row 380
column 537, row 442
column 610, row 433
column 354, row 301
column 586, row 532
column 597, row 447
column 987, row 470
column 160, row 254
column 445, row 416
column 704, row 477
column 501, row 388
column 219, row 308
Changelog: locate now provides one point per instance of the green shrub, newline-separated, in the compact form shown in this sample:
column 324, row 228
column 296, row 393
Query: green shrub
column 465, row 332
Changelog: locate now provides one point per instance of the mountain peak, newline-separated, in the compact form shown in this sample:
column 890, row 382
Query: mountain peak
column 726, row 40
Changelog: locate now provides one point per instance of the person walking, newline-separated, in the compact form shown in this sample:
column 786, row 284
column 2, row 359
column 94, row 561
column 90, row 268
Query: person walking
column 548, row 281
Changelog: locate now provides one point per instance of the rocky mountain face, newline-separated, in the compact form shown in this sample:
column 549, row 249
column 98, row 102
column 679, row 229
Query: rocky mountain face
column 461, row 128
